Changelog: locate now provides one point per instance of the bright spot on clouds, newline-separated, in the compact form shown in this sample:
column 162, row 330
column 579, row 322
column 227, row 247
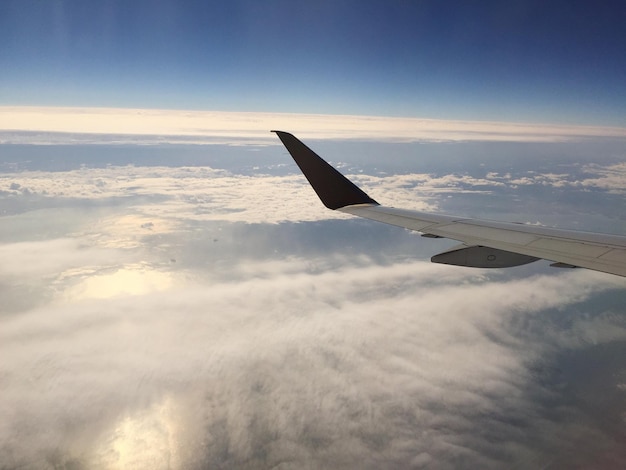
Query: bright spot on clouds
column 131, row 280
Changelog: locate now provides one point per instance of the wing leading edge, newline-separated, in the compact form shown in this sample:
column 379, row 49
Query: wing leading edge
column 484, row 243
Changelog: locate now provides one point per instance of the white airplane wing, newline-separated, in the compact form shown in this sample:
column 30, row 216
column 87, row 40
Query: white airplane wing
column 485, row 244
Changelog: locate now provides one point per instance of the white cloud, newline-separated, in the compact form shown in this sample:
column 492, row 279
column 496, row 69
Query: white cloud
column 153, row 339
column 609, row 177
column 357, row 365
column 202, row 193
column 48, row 125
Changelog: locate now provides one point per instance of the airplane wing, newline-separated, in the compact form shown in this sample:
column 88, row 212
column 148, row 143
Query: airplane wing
column 484, row 243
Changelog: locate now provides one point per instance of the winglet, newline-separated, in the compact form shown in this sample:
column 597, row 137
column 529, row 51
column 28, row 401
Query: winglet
column 334, row 189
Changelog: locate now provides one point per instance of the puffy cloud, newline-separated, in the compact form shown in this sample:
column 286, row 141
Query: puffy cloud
column 609, row 177
column 163, row 195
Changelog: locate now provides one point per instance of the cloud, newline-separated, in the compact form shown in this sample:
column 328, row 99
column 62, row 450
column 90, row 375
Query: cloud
column 608, row 177
column 45, row 258
column 162, row 195
column 48, row 125
column 194, row 317
column 349, row 366
column 159, row 200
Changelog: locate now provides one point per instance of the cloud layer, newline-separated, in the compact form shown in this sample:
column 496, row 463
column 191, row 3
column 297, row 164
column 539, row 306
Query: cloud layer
column 41, row 125
column 351, row 367
column 191, row 317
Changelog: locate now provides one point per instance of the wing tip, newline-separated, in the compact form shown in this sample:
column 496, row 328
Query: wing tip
column 334, row 189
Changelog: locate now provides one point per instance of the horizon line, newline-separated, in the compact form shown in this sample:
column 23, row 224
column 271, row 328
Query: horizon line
column 204, row 126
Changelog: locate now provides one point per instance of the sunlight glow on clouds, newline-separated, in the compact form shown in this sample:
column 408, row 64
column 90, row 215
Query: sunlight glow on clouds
column 47, row 125
column 129, row 280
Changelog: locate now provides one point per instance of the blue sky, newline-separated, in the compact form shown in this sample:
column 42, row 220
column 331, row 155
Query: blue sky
column 558, row 61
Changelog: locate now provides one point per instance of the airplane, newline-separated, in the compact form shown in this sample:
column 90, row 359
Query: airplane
column 484, row 243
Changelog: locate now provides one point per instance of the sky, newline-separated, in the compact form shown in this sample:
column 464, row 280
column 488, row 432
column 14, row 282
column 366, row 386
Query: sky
column 173, row 295
column 558, row 61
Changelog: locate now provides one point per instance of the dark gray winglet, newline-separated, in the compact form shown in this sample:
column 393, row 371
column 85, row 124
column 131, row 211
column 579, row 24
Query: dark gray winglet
column 334, row 189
